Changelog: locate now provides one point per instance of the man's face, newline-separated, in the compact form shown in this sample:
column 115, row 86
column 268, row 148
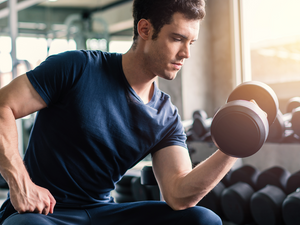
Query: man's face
column 166, row 54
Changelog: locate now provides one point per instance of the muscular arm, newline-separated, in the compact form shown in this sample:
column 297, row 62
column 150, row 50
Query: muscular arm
column 183, row 187
column 19, row 99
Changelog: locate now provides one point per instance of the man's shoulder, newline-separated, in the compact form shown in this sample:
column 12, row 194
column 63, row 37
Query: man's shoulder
column 91, row 54
column 98, row 53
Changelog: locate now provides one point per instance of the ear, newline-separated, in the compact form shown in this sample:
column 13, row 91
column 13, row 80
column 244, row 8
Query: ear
column 144, row 28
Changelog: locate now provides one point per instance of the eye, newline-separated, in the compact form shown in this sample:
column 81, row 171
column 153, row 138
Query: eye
column 176, row 39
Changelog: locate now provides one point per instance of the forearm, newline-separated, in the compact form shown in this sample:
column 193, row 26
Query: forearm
column 183, row 187
column 192, row 187
column 11, row 163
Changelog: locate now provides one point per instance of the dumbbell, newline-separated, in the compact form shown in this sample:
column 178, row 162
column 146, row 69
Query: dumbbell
column 290, row 208
column 247, row 174
column 240, row 127
column 226, row 179
column 199, row 113
column 265, row 205
column 148, row 179
column 291, row 120
column 200, row 127
column 292, row 104
column 286, row 127
column 212, row 200
column 276, row 176
column 123, row 190
column 235, row 203
column 293, row 108
column 235, row 199
column 293, row 182
column 279, row 130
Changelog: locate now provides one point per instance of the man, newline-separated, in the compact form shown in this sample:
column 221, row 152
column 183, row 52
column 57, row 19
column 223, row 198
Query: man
column 100, row 114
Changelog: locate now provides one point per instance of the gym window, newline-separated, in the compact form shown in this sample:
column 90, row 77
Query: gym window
column 270, row 44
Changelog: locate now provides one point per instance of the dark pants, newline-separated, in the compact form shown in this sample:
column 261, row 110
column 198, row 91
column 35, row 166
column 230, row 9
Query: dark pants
column 135, row 213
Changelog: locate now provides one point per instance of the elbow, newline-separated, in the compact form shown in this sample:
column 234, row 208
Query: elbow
column 180, row 203
column 180, row 206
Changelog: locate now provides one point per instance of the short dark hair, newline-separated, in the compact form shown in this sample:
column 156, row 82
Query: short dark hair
column 160, row 12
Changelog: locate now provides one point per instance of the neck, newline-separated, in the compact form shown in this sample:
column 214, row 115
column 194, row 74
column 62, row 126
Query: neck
column 139, row 78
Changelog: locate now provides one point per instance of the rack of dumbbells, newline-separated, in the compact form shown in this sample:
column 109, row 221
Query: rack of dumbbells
column 249, row 196
column 131, row 188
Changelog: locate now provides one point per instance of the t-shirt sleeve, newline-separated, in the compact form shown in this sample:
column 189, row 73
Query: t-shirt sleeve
column 57, row 74
column 175, row 135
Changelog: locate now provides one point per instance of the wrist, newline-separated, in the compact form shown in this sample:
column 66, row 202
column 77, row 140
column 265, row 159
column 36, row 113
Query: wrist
column 14, row 172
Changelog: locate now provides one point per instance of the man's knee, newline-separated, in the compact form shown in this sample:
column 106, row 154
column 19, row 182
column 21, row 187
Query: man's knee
column 202, row 216
column 27, row 219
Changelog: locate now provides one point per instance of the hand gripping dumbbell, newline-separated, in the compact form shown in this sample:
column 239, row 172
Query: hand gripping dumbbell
column 240, row 127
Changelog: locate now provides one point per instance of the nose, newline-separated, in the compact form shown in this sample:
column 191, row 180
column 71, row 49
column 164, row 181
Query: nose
column 185, row 51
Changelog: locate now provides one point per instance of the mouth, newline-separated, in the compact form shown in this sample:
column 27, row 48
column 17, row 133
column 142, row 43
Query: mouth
column 177, row 65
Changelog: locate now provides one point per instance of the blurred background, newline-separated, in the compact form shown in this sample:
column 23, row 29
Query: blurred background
column 239, row 40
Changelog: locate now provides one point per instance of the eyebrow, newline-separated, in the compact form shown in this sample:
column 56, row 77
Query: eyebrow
column 183, row 36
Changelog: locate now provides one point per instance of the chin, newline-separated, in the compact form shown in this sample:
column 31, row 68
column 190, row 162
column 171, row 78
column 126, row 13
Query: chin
column 169, row 76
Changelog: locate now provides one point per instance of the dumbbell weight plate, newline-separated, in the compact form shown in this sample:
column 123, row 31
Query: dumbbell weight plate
column 147, row 176
column 212, row 200
column 290, row 209
column 266, row 204
column 263, row 95
column 235, row 203
column 293, row 183
column 239, row 128
column 276, row 176
column 247, row 174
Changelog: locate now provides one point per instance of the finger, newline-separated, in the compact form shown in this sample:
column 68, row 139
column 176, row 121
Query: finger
column 46, row 209
column 52, row 203
column 38, row 209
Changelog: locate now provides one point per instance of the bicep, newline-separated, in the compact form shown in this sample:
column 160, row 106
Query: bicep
column 170, row 165
column 21, row 97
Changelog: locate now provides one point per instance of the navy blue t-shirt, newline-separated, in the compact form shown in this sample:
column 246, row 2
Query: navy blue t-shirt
column 95, row 127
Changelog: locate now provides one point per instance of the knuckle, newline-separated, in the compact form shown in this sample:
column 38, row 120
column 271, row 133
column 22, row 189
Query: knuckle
column 30, row 209
column 38, row 209
column 20, row 209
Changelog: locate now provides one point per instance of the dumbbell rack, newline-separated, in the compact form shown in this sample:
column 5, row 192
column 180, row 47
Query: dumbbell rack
column 271, row 154
column 283, row 155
